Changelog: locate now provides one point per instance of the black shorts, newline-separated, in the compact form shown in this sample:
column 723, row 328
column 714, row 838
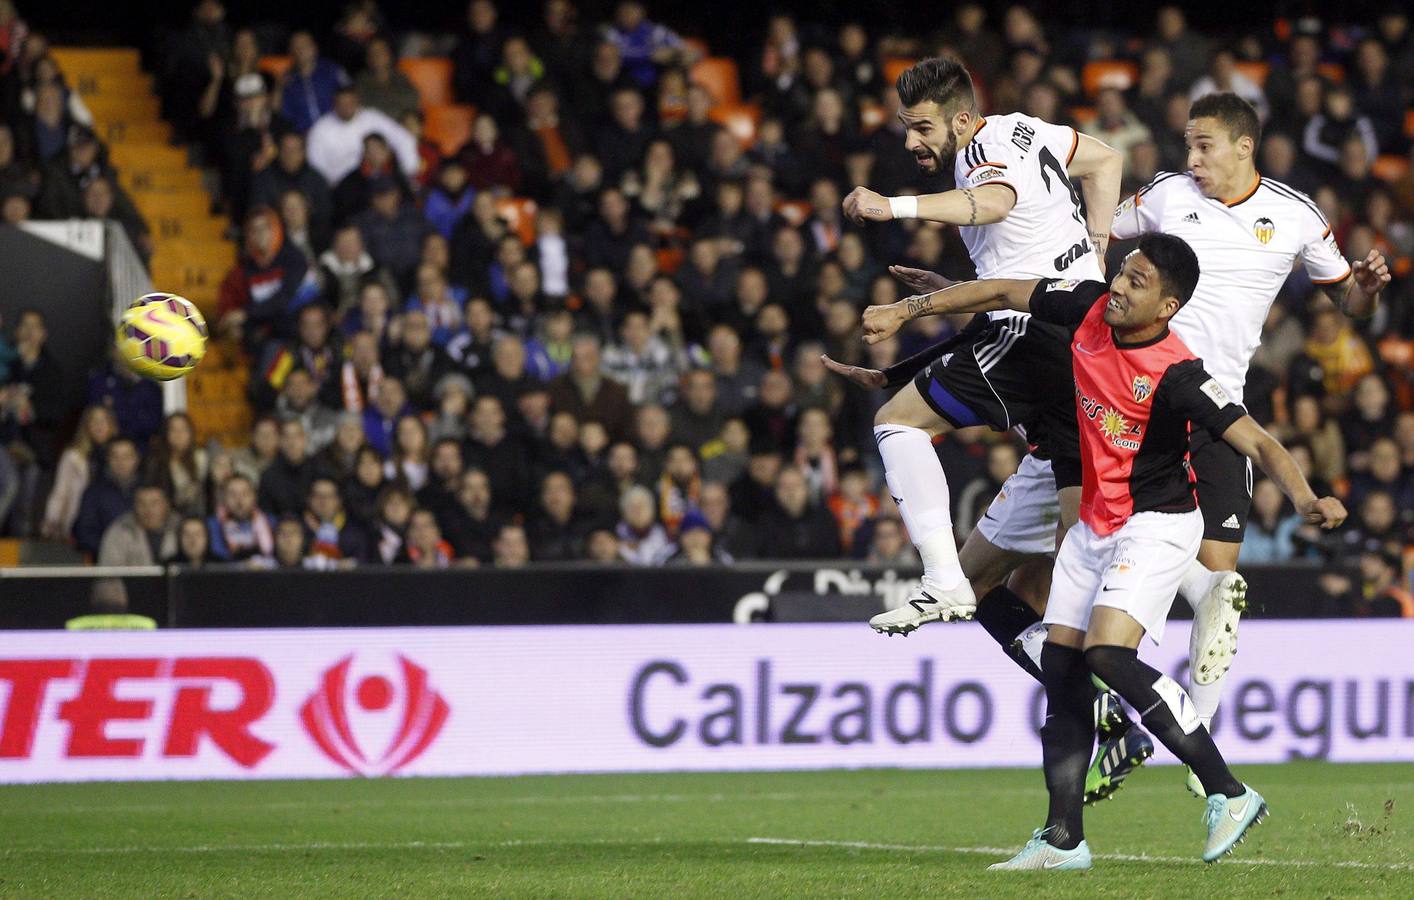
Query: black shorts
column 1224, row 479
column 1016, row 372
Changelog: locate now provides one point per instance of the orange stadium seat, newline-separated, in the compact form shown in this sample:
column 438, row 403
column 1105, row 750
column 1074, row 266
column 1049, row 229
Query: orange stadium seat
column 896, row 66
column 1332, row 72
column 871, row 115
column 1108, row 73
column 1257, row 71
column 718, row 75
column 1409, row 123
column 1083, row 115
column 432, row 76
column 1389, row 167
column 519, row 214
column 740, row 120
column 794, row 211
column 276, row 66
column 449, row 126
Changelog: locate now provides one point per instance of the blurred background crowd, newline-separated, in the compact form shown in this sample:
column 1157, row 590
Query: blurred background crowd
column 557, row 289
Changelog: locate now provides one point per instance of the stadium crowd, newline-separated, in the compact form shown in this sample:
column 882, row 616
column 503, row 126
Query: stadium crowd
column 629, row 369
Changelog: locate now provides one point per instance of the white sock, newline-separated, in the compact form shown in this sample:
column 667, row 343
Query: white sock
column 917, row 482
column 1197, row 581
column 1206, row 698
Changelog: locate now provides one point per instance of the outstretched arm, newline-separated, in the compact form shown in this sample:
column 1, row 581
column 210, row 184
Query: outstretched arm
column 1253, row 441
column 983, row 205
column 1100, row 168
column 1359, row 295
column 882, row 322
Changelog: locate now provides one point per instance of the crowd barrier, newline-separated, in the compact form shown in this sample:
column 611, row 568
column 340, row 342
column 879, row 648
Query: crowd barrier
column 234, row 597
column 327, row 703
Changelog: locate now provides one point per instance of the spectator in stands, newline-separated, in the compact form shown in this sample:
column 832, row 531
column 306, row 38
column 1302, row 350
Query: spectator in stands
column 444, row 472
column 80, row 462
column 193, row 544
column 449, row 199
column 253, row 459
column 345, row 269
column 337, row 139
column 679, row 488
column 291, row 544
column 381, row 86
column 290, row 170
column 100, row 198
column 299, row 399
column 178, row 466
column 16, row 174
column 889, row 546
column 380, row 416
column 395, row 506
column 285, row 483
column 47, row 132
column 646, row 47
column 453, row 395
column 794, row 527
column 310, row 84
column 1117, row 126
column 314, row 350
column 425, row 548
column 558, row 531
column 1224, row 76
column 511, row 548
column 250, row 144
column 508, row 378
column 1269, row 531
column 361, row 491
column 587, row 393
column 409, row 458
column 491, row 164
column 417, row 362
column 1326, row 132
column 697, row 417
column 474, row 59
column 623, row 140
column 1380, row 95
column 144, row 535
column 643, row 361
column 69, row 173
column 696, row 545
column 439, row 305
column 108, row 496
column 261, row 294
column 340, row 456
column 500, row 453
column 392, row 230
column 353, row 193
column 1384, row 473
column 32, row 398
column 470, row 524
column 642, row 540
column 332, row 535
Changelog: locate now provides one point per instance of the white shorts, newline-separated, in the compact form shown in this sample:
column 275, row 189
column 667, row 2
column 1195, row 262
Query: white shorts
column 1022, row 517
column 1136, row 570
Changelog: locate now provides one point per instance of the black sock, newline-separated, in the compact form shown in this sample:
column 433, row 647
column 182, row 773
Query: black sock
column 1138, row 683
column 1006, row 616
column 1066, row 741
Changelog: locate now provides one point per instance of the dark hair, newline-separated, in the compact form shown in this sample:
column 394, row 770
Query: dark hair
column 1236, row 114
column 1176, row 262
column 944, row 81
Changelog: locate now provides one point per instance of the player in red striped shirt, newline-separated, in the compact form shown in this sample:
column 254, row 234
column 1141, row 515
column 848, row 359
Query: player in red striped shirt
column 1138, row 389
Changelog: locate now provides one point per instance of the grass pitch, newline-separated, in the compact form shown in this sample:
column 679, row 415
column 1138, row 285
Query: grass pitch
column 1334, row 831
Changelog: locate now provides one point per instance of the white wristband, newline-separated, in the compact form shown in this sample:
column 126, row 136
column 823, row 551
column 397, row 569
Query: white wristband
column 904, row 207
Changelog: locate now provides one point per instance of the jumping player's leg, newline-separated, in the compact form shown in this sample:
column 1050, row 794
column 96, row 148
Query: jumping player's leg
column 904, row 429
column 1212, row 586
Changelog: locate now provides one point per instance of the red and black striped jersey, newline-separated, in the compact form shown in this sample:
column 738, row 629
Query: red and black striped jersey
column 1134, row 403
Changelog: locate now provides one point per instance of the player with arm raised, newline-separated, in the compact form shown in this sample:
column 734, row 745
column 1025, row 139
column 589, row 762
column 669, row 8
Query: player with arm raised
column 1247, row 231
column 1020, row 216
column 1138, row 391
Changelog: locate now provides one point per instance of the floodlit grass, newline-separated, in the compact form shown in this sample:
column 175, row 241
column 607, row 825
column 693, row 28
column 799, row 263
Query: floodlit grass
column 1334, row 831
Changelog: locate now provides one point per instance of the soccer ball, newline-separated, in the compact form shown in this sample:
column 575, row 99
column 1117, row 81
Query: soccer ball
column 161, row 336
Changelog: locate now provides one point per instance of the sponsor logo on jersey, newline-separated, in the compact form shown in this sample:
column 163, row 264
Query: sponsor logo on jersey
column 1193, row 217
column 1124, row 207
column 1065, row 284
column 1264, row 229
column 1143, row 388
column 1215, row 393
column 988, row 174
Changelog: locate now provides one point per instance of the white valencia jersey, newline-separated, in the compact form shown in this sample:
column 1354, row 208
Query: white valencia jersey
column 1245, row 250
column 1044, row 235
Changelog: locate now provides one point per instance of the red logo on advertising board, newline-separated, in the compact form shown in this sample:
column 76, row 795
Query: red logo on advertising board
column 325, row 716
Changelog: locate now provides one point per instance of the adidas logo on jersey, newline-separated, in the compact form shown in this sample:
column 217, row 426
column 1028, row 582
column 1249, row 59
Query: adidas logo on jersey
column 1192, row 217
column 1231, row 522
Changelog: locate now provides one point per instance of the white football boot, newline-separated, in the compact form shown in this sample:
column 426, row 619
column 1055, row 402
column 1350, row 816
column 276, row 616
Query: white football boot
column 927, row 606
column 1213, row 641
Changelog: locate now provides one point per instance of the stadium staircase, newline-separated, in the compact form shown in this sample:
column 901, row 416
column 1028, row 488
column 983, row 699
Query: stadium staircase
column 191, row 250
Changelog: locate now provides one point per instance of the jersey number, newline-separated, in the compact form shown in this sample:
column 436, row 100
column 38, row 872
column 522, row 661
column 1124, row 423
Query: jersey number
column 1047, row 160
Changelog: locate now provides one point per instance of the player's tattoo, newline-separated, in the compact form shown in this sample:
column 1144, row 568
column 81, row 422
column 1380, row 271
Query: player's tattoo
column 967, row 192
column 875, row 211
column 919, row 306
